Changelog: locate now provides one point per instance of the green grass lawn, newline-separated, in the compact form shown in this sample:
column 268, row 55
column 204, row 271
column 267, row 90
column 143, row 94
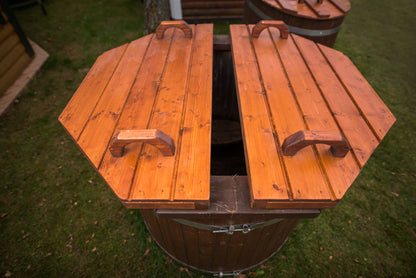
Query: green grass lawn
column 59, row 218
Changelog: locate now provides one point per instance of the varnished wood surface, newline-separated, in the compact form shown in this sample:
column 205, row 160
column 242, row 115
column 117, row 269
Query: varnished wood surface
column 313, row 9
column 150, row 84
column 287, row 85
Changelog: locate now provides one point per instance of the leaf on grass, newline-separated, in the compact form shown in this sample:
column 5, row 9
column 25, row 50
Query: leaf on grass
column 94, row 249
column 4, row 214
column 395, row 194
column 168, row 260
column 146, row 252
column 149, row 239
column 184, row 269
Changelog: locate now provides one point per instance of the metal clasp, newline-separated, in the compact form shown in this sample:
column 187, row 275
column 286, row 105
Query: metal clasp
column 245, row 228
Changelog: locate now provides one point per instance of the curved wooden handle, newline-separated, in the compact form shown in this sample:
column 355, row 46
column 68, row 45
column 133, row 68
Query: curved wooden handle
column 154, row 137
column 181, row 24
column 301, row 139
column 263, row 24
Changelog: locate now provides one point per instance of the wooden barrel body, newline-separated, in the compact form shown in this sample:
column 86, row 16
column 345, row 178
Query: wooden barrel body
column 197, row 10
column 203, row 239
column 304, row 23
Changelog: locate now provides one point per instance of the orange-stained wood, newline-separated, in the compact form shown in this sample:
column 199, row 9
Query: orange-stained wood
column 304, row 173
column 371, row 107
column 155, row 173
column 119, row 172
column 359, row 135
column 317, row 116
column 98, row 131
column 78, row 110
column 153, row 84
column 266, row 173
column 289, row 6
column 193, row 171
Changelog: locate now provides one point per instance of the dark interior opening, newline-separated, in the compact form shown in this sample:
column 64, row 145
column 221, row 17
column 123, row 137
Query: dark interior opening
column 227, row 150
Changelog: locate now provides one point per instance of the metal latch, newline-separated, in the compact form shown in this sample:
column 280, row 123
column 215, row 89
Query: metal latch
column 245, row 228
column 230, row 229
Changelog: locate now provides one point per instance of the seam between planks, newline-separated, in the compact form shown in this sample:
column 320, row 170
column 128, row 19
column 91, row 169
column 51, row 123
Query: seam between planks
column 125, row 101
column 133, row 178
column 299, row 108
column 102, row 92
column 184, row 104
column 315, row 150
column 362, row 114
column 327, row 105
column 271, row 121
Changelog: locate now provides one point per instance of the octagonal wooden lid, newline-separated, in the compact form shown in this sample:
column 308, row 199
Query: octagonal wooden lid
column 309, row 118
column 142, row 116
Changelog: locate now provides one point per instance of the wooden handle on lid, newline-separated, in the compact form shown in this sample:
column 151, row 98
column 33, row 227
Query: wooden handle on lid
column 295, row 142
column 263, row 24
column 181, row 24
column 154, row 137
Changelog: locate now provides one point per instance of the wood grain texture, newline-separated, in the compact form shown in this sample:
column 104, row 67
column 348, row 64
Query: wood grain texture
column 316, row 114
column 360, row 137
column 371, row 107
column 155, row 173
column 266, row 173
column 303, row 173
column 99, row 129
column 193, row 171
column 318, row 8
column 119, row 172
column 78, row 110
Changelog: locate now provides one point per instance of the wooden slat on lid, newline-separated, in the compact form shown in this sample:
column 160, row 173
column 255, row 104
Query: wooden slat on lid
column 193, row 171
column 264, row 168
column 119, row 171
column 353, row 126
column 318, row 8
column 369, row 103
column 78, row 110
column 306, row 179
column 341, row 172
column 97, row 133
column 343, row 5
column 155, row 173
column 289, row 6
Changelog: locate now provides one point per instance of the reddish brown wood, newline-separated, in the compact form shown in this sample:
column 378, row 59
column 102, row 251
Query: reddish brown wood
column 154, row 137
column 318, row 8
column 181, row 24
column 288, row 6
column 261, row 25
column 299, row 140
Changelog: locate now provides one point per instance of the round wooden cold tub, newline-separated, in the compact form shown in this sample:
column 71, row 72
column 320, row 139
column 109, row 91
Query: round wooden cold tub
column 318, row 20
column 230, row 236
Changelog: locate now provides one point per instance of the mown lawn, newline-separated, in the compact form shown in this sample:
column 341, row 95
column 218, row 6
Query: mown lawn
column 58, row 217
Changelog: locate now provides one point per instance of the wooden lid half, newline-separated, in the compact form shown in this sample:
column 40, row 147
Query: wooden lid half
column 142, row 116
column 310, row 120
